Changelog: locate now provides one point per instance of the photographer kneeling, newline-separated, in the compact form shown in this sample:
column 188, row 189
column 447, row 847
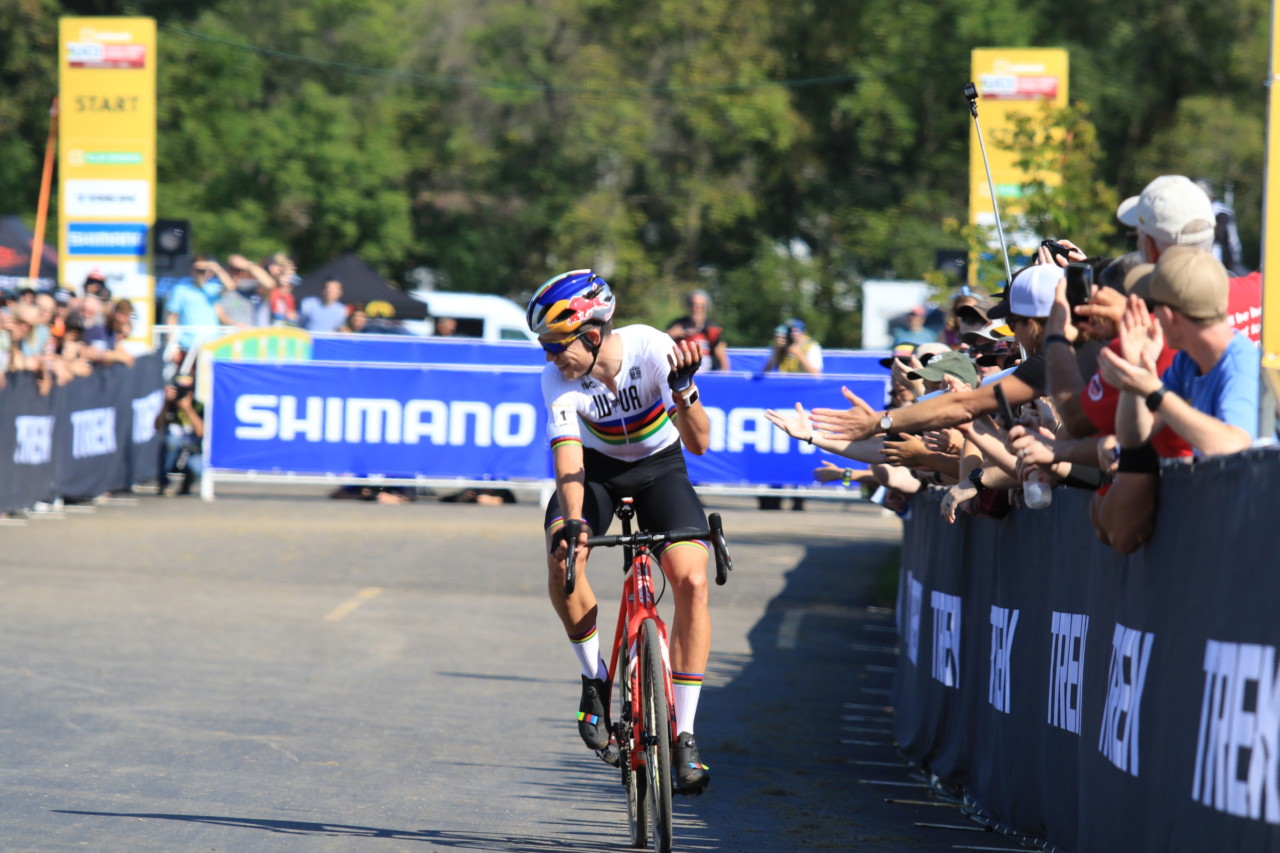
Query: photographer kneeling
column 182, row 419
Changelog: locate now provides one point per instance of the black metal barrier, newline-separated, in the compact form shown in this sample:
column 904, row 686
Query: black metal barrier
column 1095, row 701
column 93, row 435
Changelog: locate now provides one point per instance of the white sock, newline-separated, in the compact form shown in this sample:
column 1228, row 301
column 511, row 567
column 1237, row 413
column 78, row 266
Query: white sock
column 587, row 648
column 688, row 687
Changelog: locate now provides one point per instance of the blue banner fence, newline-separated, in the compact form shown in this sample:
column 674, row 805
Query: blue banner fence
column 1095, row 701
column 450, row 424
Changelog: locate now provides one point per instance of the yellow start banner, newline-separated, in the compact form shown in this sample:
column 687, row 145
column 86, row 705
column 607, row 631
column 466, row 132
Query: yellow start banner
column 1010, row 81
column 106, row 157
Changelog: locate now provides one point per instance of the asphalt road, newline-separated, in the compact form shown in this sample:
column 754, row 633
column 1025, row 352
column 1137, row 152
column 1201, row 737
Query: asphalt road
column 276, row 671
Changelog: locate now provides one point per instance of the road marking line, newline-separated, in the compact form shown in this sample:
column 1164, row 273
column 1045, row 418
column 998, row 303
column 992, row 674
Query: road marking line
column 343, row 610
column 789, row 630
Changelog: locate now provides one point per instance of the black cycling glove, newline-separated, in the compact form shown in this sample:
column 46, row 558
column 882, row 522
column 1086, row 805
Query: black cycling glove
column 681, row 379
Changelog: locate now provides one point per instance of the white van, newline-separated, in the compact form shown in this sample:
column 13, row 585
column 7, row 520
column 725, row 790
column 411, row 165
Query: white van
column 480, row 315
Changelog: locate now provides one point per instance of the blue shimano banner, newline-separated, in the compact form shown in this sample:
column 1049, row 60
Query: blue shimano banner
column 450, row 421
column 414, row 421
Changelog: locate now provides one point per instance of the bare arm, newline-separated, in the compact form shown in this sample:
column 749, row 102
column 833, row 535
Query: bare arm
column 797, row 426
column 571, row 477
column 691, row 420
column 945, row 410
column 721, row 353
column 1125, row 517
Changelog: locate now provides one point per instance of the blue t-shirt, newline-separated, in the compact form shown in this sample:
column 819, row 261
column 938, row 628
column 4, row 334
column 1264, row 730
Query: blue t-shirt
column 315, row 316
column 194, row 306
column 1229, row 391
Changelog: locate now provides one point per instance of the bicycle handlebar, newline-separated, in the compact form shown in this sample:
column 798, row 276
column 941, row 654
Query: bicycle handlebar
column 715, row 533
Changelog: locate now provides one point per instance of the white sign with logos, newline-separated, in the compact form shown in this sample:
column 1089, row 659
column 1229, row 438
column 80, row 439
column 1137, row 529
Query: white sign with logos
column 98, row 199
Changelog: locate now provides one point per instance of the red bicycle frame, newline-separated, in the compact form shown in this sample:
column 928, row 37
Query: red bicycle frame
column 638, row 604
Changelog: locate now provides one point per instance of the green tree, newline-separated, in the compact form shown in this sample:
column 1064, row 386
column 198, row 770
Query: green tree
column 1065, row 197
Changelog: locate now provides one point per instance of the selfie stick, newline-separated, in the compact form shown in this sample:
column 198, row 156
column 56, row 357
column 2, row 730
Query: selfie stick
column 971, row 92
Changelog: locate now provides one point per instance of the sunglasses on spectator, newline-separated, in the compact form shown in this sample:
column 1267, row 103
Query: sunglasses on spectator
column 557, row 347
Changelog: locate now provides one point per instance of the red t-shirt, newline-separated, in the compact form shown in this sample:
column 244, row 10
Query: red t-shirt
column 1244, row 305
column 1099, row 401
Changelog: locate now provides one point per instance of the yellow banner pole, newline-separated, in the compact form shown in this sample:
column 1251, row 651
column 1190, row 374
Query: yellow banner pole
column 46, row 186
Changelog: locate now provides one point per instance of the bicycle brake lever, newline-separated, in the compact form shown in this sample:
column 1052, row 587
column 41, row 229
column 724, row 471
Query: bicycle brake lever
column 724, row 563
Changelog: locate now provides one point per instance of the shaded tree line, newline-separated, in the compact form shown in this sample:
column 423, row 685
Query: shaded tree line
column 774, row 154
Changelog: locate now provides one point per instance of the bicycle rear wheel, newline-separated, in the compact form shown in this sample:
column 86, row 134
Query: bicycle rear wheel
column 657, row 734
column 634, row 781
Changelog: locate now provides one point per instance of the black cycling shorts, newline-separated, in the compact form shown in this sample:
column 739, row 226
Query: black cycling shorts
column 664, row 497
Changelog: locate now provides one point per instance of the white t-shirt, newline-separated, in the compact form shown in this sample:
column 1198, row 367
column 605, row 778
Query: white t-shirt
column 631, row 425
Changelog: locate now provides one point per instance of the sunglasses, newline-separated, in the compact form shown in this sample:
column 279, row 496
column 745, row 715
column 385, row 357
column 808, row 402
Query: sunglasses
column 557, row 347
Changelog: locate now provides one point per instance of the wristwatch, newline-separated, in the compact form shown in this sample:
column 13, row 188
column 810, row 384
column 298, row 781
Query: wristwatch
column 975, row 480
column 687, row 397
column 1155, row 398
column 886, row 422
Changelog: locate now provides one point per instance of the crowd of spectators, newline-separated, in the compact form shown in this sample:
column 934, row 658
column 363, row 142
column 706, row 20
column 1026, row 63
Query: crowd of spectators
column 1038, row 390
column 59, row 335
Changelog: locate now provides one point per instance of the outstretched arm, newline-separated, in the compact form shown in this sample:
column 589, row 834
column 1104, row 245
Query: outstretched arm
column 798, row 427
column 946, row 410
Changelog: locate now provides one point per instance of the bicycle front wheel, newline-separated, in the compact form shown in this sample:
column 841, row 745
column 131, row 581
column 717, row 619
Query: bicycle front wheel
column 657, row 734
column 634, row 781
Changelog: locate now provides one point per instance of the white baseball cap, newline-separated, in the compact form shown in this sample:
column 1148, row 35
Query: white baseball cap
column 1171, row 209
column 1031, row 293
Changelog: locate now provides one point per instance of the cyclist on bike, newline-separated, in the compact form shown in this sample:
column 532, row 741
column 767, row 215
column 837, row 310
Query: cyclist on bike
column 621, row 403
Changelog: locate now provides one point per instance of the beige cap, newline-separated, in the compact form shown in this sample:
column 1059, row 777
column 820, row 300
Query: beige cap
column 1192, row 281
column 1137, row 281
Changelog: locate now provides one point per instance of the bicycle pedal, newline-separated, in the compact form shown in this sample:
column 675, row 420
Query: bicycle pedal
column 610, row 754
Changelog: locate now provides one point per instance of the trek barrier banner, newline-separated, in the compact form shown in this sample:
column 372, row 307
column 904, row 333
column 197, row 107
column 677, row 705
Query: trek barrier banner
column 402, row 349
column 1102, row 702
column 477, row 423
column 90, row 436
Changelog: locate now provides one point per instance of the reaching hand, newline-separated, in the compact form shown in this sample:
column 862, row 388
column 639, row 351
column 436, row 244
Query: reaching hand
column 1103, row 312
column 1031, row 448
column 857, row 422
column 797, row 427
column 898, row 374
column 946, row 441
column 955, row 499
column 908, row 451
column 829, row 472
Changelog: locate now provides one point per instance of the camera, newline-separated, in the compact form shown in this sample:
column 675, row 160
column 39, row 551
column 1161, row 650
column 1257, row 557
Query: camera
column 1056, row 249
column 182, row 386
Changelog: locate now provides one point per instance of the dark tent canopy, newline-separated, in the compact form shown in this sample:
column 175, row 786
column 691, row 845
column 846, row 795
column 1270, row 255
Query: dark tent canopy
column 15, row 256
column 361, row 286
